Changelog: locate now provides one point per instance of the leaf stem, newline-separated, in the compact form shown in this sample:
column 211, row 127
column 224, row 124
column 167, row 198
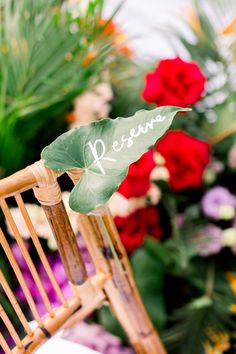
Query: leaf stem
column 109, row 241
column 210, row 280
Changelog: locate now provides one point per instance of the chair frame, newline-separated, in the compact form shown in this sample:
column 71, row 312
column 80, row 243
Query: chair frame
column 110, row 284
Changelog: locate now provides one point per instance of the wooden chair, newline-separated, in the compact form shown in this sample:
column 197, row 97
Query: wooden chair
column 110, row 284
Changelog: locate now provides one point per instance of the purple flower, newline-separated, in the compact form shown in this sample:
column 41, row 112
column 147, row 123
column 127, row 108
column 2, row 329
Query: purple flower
column 96, row 337
column 208, row 241
column 219, row 203
column 58, row 270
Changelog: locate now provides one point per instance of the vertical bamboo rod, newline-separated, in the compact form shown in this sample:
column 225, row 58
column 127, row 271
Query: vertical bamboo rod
column 150, row 340
column 10, row 327
column 15, row 304
column 35, row 275
column 145, row 336
column 93, row 243
column 4, row 345
column 20, row 277
column 67, row 243
column 39, row 248
column 99, row 252
column 121, row 288
column 92, row 235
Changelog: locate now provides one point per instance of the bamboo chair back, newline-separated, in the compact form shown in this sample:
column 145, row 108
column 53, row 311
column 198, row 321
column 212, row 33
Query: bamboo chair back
column 111, row 284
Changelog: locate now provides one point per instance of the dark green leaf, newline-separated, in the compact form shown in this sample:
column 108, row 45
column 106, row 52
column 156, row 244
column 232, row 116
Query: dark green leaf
column 104, row 150
column 149, row 274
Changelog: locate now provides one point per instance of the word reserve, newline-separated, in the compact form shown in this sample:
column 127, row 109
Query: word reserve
column 119, row 145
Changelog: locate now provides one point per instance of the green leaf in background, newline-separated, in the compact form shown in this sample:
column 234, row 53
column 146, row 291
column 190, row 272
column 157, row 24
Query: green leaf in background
column 45, row 46
column 149, row 271
column 104, row 150
column 225, row 124
column 148, row 266
column 110, row 322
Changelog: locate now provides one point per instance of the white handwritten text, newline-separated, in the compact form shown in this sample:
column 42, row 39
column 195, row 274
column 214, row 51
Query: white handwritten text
column 98, row 148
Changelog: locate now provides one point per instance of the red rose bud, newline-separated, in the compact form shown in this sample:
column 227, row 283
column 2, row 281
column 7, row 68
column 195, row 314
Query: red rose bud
column 137, row 182
column 136, row 226
column 185, row 157
column 174, row 82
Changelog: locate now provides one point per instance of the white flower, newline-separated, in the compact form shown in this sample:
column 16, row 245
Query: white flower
column 159, row 159
column 123, row 207
column 119, row 205
column 37, row 217
column 154, row 194
column 92, row 105
column 228, row 237
column 160, row 173
column 40, row 223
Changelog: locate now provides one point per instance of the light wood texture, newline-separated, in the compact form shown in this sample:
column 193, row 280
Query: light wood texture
column 123, row 294
column 121, row 290
column 132, row 300
column 20, row 277
column 67, row 243
column 4, row 345
column 29, row 261
column 10, row 328
column 62, row 316
column 18, row 182
column 48, row 194
column 15, row 304
column 113, row 282
column 39, row 249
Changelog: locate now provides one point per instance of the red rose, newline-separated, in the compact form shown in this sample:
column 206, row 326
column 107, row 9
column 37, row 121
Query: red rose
column 174, row 82
column 137, row 225
column 137, row 182
column 185, row 157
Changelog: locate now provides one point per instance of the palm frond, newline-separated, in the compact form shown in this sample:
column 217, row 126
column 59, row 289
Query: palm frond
column 44, row 47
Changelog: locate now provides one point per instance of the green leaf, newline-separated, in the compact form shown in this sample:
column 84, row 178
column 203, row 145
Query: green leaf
column 104, row 150
column 225, row 124
column 149, row 272
column 110, row 322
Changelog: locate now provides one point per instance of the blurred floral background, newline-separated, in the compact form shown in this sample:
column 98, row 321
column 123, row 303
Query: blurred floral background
column 64, row 64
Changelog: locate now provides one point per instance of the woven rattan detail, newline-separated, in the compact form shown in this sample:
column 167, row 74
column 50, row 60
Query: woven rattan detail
column 48, row 191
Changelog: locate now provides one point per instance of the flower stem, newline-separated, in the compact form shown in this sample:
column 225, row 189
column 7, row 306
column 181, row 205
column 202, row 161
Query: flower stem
column 112, row 248
column 210, row 280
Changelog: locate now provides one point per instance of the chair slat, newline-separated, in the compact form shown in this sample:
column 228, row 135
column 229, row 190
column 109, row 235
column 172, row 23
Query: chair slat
column 67, row 243
column 112, row 283
column 20, row 278
column 15, row 304
column 4, row 345
column 10, row 327
column 134, row 307
column 35, row 275
column 39, row 249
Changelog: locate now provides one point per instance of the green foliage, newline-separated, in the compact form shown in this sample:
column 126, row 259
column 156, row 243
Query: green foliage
column 43, row 51
column 149, row 272
column 127, row 82
column 225, row 123
column 214, row 50
column 110, row 322
column 208, row 309
column 104, row 150
column 41, row 57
